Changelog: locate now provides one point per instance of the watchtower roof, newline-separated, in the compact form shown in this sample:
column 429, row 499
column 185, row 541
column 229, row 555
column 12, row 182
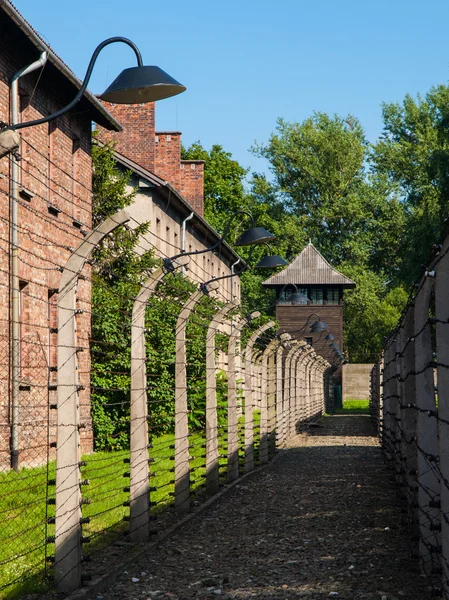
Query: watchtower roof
column 309, row 268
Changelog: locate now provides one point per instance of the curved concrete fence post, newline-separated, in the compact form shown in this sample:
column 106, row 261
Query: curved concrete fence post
column 182, row 456
column 212, row 466
column 139, row 525
column 295, row 394
column 409, row 415
column 264, row 401
column 249, row 405
column 280, row 391
column 288, row 390
column 388, row 426
column 442, row 336
column 139, row 472
column 68, row 495
column 426, row 432
column 233, row 426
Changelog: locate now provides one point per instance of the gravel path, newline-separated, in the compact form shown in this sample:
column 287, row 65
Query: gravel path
column 322, row 521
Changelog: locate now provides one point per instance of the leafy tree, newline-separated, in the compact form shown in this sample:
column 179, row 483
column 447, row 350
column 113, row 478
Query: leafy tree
column 118, row 273
column 413, row 153
column 225, row 193
column 320, row 174
column 371, row 311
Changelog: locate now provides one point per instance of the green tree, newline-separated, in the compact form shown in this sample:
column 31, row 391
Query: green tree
column 371, row 311
column 319, row 169
column 225, row 191
column 119, row 270
column 117, row 274
column 413, row 152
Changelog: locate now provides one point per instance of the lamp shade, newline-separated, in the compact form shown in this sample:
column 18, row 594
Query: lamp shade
column 329, row 337
column 254, row 236
column 138, row 85
column 318, row 327
column 271, row 262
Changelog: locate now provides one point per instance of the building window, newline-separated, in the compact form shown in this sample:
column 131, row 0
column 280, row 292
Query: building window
column 333, row 296
column 291, row 296
column 316, row 295
column 309, row 341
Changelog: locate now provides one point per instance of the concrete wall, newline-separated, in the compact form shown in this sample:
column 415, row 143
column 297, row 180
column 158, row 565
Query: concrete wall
column 356, row 381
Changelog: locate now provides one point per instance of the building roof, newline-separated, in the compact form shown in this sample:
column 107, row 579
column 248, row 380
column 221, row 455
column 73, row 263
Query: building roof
column 98, row 112
column 184, row 207
column 309, row 268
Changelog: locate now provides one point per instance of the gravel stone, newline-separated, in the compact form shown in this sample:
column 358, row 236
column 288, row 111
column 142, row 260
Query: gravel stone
column 294, row 530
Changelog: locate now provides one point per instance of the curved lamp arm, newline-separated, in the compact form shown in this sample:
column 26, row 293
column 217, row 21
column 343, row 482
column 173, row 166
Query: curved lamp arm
column 168, row 262
column 83, row 87
column 306, row 323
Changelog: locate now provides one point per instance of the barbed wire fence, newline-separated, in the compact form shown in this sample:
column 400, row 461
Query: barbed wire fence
column 122, row 427
column 410, row 405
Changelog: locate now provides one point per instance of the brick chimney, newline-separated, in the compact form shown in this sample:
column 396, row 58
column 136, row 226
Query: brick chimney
column 158, row 152
column 136, row 141
column 192, row 183
column 168, row 157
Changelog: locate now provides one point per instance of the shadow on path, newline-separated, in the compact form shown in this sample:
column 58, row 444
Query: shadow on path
column 322, row 521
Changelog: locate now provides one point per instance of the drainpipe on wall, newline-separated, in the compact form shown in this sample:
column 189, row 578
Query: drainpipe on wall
column 15, row 282
column 232, row 278
column 183, row 235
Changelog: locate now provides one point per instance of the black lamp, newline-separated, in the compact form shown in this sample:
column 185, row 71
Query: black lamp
column 142, row 84
column 329, row 337
column 133, row 86
column 271, row 261
column 318, row 327
column 254, row 236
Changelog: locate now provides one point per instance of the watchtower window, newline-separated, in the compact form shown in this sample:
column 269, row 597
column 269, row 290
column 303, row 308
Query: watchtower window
column 316, row 295
column 333, row 296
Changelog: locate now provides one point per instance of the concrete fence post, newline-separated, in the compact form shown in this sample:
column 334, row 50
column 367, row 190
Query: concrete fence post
column 271, row 400
column 266, row 402
column 442, row 347
column 288, row 390
column 233, row 426
column 212, row 453
column 68, row 495
column 249, row 403
column 182, row 455
column 139, row 525
column 426, row 432
column 409, row 414
column 280, row 392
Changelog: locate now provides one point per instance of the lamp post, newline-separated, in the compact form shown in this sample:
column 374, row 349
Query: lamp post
column 250, row 237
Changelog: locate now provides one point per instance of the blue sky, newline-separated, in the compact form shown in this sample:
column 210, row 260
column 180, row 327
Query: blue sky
column 245, row 63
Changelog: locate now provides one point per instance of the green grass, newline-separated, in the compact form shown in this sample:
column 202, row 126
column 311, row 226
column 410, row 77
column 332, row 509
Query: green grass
column 24, row 508
column 352, row 406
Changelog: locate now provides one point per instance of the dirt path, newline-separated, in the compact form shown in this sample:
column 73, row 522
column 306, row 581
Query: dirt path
column 323, row 521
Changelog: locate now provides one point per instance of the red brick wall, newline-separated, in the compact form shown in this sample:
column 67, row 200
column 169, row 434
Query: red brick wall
column 57, row 169
column 158, row 152
column 136, row 141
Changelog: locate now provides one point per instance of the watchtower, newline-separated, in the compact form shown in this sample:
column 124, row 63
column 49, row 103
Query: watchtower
column 307, row 286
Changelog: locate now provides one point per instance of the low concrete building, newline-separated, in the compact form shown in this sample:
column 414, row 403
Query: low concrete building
column 356, row 379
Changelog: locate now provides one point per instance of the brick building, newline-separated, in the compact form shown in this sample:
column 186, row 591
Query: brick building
column 54, row 212
column 170, row 194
